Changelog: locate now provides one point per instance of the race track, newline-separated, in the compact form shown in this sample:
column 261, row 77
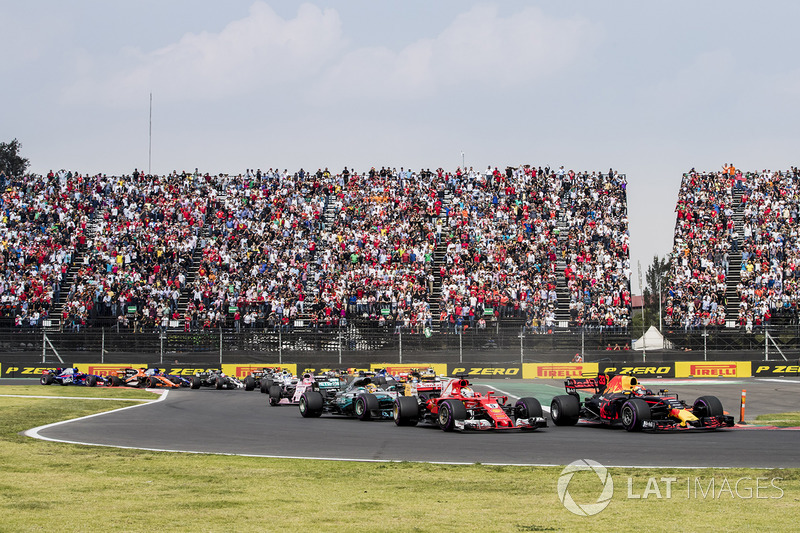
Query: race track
column 239, row 422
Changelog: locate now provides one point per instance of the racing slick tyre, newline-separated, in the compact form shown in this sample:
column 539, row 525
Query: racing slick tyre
column 47, row 380
column 633, row 414
column 528, row 408
column 265, row 385
column 565, row 410
column 311, row 403
column 449, row 412
column 707, row 406
column 152, row 382
column 406, row 411
column 196, row 382
column 274, row 395
column 114, row 381
column 249, row 383
column 219, row 383
column 91, row 381
column 365, row 404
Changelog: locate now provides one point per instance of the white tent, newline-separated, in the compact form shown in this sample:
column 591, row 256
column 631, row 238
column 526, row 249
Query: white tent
column 651, row 340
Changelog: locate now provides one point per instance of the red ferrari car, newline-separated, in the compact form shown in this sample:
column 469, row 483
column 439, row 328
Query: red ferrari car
column 459, row 407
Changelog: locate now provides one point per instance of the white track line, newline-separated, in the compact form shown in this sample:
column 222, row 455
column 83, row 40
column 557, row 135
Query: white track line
column 76, row 398
column 545, row 409
column 779, row 380
column 34, row 433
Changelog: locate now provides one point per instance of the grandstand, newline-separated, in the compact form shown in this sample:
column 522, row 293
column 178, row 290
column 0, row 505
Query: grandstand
column 735, row 258
column 421, row 252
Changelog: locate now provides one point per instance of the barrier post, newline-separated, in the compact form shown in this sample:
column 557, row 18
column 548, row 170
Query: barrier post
column 741, row 408
column 400, row 335
column 460, row 349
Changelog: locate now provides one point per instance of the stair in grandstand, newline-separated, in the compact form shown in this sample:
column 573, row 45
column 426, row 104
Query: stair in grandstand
column 562, row 291
column 735, row 260
column 439, row 253
column 69, row 278
column 191, row 275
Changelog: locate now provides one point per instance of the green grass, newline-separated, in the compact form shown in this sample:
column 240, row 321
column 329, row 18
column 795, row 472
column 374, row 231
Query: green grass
column 129, row 490
column 780, row 419
column 76, row 391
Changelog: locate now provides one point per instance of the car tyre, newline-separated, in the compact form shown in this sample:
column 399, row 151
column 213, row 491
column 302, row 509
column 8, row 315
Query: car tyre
column 152, row 382
column 365, row 405
column 47, row 379
column 274, row 395
column 707, row 406
column 311, row 403
column 91, row 381
column 406, row 411
column 196, row 382
column 249, row 383
column 528, row 408
column 565, row 410
column 634, row 413
column 219, row 383
column 449, row 412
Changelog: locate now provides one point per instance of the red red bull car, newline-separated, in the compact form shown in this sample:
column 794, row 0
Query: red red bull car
column 459, row 407
column 622, row 400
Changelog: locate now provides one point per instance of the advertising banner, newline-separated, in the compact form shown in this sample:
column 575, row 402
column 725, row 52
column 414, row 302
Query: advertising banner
column 558, row 371
column 716, row 369
column 395, row 368
column 474, row 371
column 319, row 369
column 764, row 370
column 242, row 371
column 642, row 370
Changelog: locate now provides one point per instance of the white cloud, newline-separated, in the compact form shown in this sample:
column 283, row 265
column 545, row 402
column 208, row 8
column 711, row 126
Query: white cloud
column 479, row 47
column 258, row 51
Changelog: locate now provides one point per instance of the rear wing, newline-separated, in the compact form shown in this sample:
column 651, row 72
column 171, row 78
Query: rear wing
column 598, row 384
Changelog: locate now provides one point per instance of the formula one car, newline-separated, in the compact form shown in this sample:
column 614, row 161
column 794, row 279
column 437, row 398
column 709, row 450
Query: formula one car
column 287, row 389
column 145, row 378
column 216, row 379
column 259, row 379
column 70, row 376
column 423, row 384
column 459, row 407
column 361, row 399
column 622, row 400
column 275, row 376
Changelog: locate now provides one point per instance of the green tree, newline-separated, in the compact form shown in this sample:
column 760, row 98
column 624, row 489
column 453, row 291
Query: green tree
column 11, row 163
column 656, row 285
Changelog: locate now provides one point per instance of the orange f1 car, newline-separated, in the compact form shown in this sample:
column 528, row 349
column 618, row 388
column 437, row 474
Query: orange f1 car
column 145, row 378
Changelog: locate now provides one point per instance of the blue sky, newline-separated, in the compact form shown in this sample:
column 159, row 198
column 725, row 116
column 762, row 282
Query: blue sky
column 650, row 89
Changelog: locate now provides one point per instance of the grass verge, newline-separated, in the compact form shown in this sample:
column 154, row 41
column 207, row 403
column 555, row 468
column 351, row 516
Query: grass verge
column 135, row 490
column 77, row 392
column 780, row 419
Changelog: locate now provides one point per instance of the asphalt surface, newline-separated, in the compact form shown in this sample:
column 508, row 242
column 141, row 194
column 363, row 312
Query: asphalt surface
column 239, row 422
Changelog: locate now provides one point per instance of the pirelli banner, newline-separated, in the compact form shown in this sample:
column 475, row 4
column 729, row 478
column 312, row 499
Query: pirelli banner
column 478, row 371
column 559, row 371
column 395, row 369
column 716, row 369
column 642, row 370
column 242, row 371
column 762, row 370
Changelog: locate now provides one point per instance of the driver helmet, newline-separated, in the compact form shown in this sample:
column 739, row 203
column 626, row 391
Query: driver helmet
column 639, row 390
column 467, row 392
column 371, row 388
